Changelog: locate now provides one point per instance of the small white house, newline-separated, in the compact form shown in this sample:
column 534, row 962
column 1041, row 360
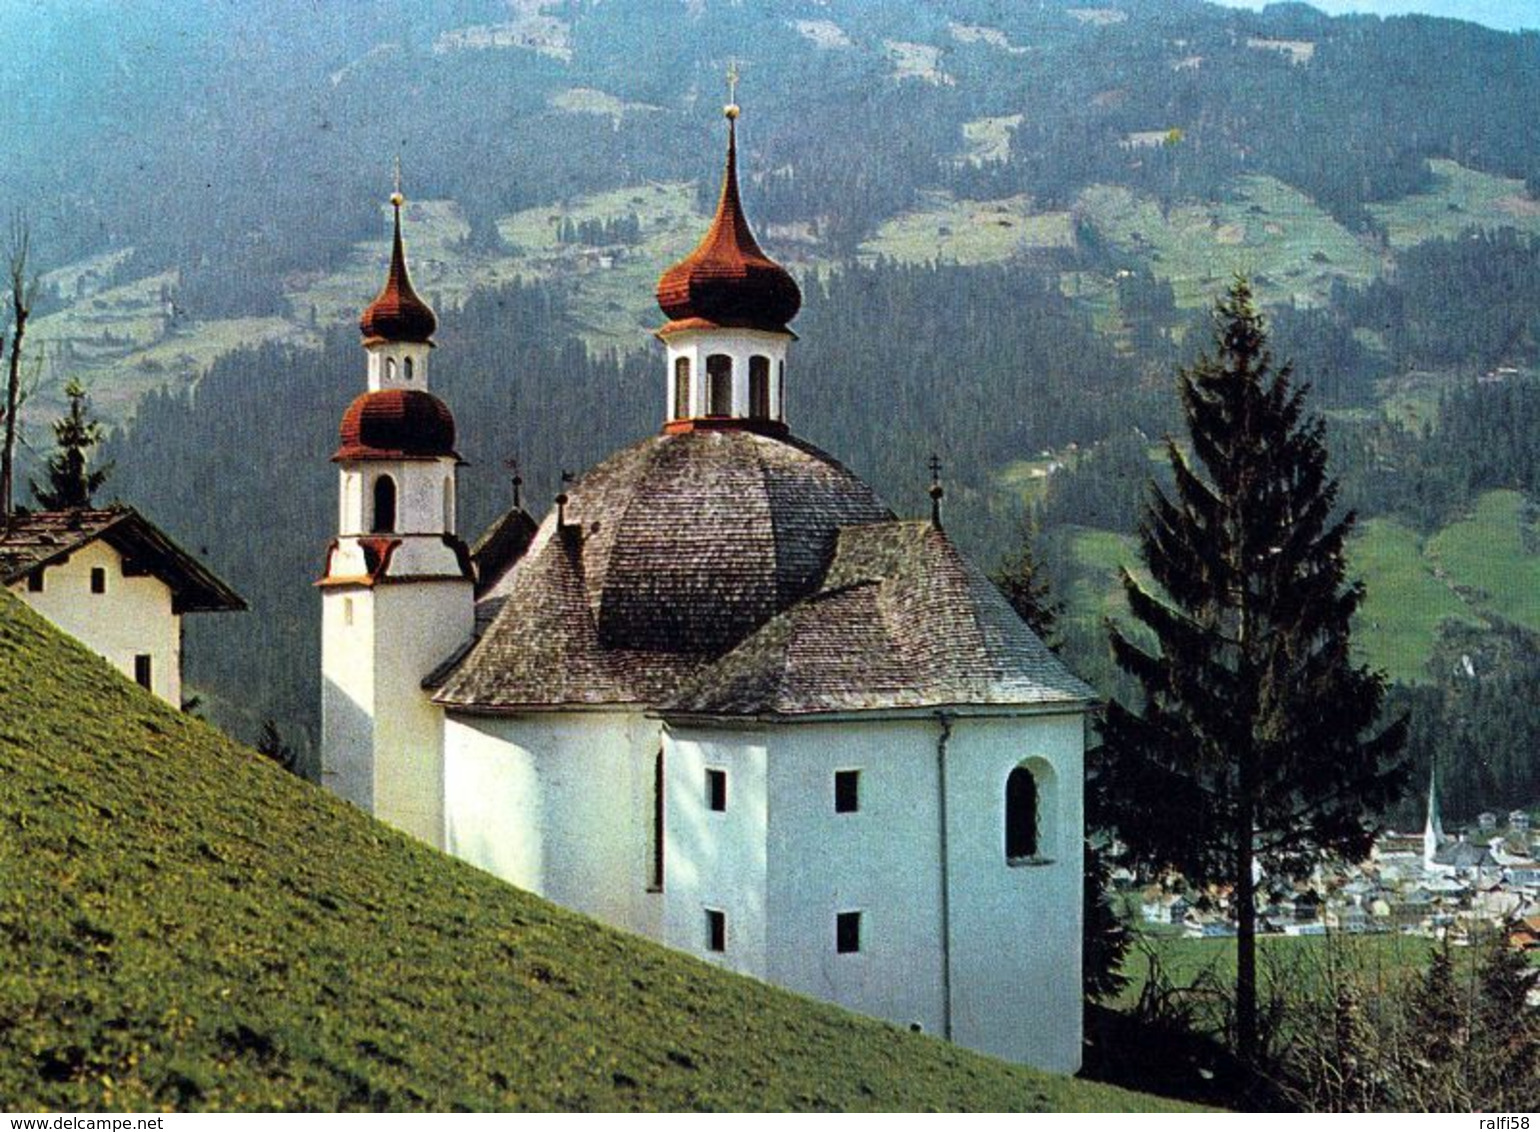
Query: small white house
column 114, row 581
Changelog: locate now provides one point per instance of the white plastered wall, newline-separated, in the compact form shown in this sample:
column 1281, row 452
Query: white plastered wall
column 740, row 345
column 132, row 618
column 716, row 860
column 559, row 804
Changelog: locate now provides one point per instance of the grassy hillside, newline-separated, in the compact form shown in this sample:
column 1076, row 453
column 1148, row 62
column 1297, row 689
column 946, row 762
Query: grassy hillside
column 183, row 925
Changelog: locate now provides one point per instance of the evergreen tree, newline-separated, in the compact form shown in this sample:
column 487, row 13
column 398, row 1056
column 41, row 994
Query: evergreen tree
column 71, row 479
column 1505, row 1042
column 1022, row 580
column 1252, row 751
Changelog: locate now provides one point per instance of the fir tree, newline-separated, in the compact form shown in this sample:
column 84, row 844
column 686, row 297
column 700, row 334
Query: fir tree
column 1253, row 749
column 71, row 479
column 1022, row 580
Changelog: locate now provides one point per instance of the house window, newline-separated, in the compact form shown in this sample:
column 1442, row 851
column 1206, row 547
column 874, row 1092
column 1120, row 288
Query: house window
column 142, row 671
column 719, row 383
column 1029, row 813
column 759, row 387
column 35, row 581
column 98, row 579
column 716, row 930
column 681, row 388
column 847, row 933
column 384, row 505
column 406, row 369
column 716, row 790
column 847, row 791
column 657, row 823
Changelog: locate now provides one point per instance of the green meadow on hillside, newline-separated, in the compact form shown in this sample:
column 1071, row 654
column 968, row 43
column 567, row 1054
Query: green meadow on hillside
column 185, row 926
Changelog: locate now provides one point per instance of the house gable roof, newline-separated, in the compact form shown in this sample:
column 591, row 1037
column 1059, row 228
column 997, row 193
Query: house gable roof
column 47, row 538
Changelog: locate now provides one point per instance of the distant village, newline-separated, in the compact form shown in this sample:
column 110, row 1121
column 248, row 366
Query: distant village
column 1457, row 886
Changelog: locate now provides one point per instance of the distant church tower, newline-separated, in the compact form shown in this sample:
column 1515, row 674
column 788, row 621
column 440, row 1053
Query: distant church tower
column 397, row 592
column 1433, row 831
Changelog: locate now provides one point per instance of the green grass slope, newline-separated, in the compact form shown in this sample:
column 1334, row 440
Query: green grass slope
column 182, row 925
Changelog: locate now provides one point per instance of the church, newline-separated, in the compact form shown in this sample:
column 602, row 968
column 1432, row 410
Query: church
column 721, row 696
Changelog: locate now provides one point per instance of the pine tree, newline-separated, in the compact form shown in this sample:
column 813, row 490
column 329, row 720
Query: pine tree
column 1025, row 585
column 71, row 479
column 1253, row 749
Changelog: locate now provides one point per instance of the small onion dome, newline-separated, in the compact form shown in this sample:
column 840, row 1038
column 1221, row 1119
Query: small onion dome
column 728, row 280
column 396, row 424
column 397, row 314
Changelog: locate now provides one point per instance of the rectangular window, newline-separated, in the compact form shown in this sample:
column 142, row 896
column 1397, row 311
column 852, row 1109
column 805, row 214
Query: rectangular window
column 35, row 581
column 98, row 579
column 847, row 791
column 847, row 933
column 716, row 930
column 681, row 388
column 716, row 790
column 142, row 670
column 347, row 611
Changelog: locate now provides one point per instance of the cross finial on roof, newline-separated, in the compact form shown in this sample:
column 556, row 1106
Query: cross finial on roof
column 731, row 109
column 936, row 490
column 398, row 173
column 512, row 464
column 561, row 499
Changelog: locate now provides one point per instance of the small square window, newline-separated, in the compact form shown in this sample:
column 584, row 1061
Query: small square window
column 98, row 579
column 716, row 930
column 716, row 790
column 142, row 671
column 847, row 933
column 35, row 581
column 847, row 791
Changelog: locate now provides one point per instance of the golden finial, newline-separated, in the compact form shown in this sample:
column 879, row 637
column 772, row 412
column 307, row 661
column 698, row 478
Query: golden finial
column 731, row 109
column 396, row 198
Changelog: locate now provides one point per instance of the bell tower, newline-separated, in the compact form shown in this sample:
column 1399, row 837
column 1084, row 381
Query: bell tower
column 396, row 595
column 728, row 306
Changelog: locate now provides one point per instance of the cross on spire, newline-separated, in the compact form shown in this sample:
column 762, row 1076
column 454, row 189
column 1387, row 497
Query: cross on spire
column 732, row 82
column 512, row 464
column 936, row 490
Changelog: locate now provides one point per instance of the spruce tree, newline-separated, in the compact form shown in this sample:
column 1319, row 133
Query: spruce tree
column 1025, row 585
column 71, row 479
column 1254, row 746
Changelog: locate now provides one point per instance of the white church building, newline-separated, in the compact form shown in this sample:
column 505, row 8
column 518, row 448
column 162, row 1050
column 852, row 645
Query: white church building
column 722, row 696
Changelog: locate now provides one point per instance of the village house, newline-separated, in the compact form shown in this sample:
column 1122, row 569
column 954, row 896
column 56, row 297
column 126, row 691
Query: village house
column 114, row 581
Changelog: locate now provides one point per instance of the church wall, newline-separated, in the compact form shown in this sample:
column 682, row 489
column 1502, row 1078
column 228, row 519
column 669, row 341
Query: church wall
column 347, row 694
column 132, row 618
column 1016, row 927
column 883, row 860
column 716, row 860
column 416, row 627
column 559, row 804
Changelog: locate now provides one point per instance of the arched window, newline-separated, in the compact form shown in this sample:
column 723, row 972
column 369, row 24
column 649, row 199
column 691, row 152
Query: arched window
column 406, row 368
column 681, row 388
column 657, row 823
column 449, row 505
column 384, row 505
column 1021, row 815
column 390, row 369
column 759, row 387
column 780, row 385
column 719, row 382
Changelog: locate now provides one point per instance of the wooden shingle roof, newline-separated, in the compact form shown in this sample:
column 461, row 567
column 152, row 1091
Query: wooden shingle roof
column 730, row 573
column 46, row 538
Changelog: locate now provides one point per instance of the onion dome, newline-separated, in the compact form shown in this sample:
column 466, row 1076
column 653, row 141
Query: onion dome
column 397, row 314
column 728, row 281
column 396, row 424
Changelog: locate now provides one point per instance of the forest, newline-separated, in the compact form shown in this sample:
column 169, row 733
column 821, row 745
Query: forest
column 1042, row 377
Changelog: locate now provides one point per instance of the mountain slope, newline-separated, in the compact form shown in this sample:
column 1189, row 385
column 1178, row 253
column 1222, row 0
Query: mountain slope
column 183, row 925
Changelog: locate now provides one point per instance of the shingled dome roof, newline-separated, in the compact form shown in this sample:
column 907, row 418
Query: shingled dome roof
column 728, row 280
column 397, row 314
column 674, row 550
column 396, row 424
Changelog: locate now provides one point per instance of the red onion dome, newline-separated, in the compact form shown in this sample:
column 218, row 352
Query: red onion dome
column 397, row 314
column 396, row 424
column 728, row 280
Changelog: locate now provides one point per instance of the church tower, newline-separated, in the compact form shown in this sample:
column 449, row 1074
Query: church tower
column 728, row 306
column 397, row 592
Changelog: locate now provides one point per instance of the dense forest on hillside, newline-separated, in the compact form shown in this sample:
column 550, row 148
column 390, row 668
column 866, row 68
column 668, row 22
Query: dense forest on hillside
column 1376, row 177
